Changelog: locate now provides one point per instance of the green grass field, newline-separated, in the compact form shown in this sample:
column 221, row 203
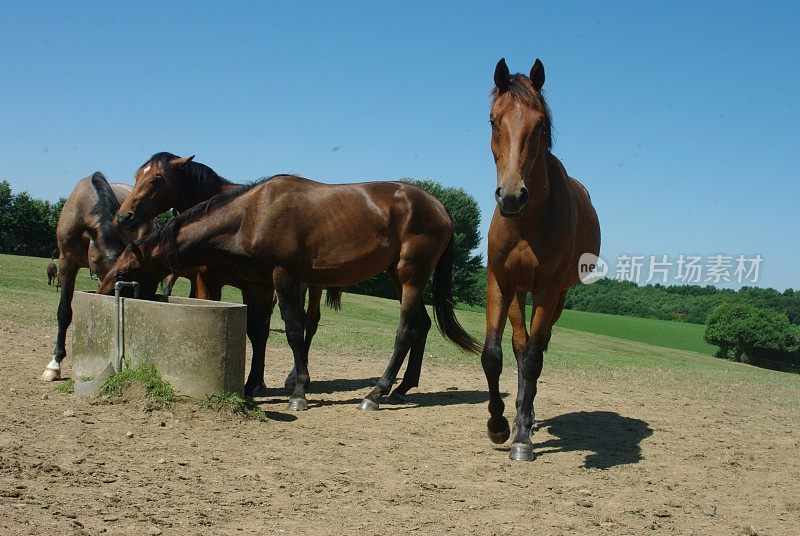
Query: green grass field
column 677, row 335
column 582, row 341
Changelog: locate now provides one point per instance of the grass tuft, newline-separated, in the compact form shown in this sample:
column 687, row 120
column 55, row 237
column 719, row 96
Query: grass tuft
column 66, row 386
column 235, row 404
column 147, row 377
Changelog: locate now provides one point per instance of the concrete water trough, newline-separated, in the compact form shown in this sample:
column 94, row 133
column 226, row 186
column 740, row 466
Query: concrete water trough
column 198, row 346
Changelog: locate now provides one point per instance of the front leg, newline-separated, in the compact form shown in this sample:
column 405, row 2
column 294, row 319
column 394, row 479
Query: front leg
column 259, row 302
column 67, row 272
column 290, row 300
column 529, row 367
column 492, row 357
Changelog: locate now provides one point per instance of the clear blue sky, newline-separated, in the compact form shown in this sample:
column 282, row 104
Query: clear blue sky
column 681, row 118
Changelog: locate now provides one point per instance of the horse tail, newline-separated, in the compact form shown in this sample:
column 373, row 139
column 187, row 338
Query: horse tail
column 443, row 303
column 333, row 298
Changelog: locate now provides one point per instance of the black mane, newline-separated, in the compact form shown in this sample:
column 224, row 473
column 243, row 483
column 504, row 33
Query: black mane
column 522, row 90
column 105, row 209
column 197, row 175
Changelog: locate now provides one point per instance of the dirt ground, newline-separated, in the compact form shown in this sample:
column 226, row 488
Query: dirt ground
column 615, row 456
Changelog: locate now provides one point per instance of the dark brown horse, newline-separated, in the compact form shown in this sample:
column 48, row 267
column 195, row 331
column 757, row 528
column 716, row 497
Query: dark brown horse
column 167, row 181
column 52, row 273
column 544, row 221
column 87, row 238
column 287, row 230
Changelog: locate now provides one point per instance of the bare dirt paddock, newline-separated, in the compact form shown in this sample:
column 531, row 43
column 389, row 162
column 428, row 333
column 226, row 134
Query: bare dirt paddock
column 616, row 455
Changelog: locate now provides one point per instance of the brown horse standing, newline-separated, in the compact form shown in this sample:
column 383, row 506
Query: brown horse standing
column 168, row 181
column 544, row 221
column 287, row 230
column 87, row 238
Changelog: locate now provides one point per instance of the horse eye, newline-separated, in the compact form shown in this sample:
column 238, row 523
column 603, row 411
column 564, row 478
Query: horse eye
column 494, row 125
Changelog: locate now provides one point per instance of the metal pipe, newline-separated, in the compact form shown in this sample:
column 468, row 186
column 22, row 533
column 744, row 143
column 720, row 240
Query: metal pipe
column 118, row 286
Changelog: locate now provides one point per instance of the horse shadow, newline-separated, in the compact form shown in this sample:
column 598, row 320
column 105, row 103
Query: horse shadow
column 613, row 439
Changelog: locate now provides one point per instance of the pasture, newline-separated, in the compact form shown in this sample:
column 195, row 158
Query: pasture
column 629, row 437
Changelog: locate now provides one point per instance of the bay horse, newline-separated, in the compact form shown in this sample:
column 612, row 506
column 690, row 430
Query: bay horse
column 87, row 237
column 543, row 222
column 166, row 181
column 286, row 230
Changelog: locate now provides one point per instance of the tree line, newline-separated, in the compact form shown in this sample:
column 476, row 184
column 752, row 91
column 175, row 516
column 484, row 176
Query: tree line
column 683, row 303
column 27, row 225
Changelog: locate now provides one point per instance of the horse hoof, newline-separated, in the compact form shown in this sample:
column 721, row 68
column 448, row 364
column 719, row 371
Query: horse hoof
column 258, row 390
column 521, row 452
column 368, row 405
column 397, row 397
column 51, row 375
column 498, row 437
column 297, row 404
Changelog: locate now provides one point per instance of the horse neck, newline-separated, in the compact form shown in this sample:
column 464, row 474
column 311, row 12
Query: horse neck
column 189, row 197
column 204, row 241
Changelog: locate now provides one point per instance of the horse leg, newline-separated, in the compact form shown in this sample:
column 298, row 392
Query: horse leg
column 290, row 300
column 312, row 323
column 67, row 271
column 407, row 333
column 529, row 367
column 259, row 310
column 414, row 368
column 497, row 305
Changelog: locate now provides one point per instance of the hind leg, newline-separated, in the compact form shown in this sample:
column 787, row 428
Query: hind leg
column 290, row 300
column 312, row 323
column 407, row 332
column 67, row 271
column 411, row 377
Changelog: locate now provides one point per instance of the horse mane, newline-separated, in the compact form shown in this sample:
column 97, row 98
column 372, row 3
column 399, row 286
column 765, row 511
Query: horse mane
column 165, row 236
column 105, row 209
column 521, row 89
column 197, row 175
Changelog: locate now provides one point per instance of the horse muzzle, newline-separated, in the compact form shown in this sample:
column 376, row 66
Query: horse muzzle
column 129, row 220
column 511, row 203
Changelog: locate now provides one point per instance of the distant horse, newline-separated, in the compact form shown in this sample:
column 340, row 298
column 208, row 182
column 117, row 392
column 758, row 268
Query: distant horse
column 287, row 230
column 87, row 238
column 52, row 274
column 167, row 181
column 544, row 221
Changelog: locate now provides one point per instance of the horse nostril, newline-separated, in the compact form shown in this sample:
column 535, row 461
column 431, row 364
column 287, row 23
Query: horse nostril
column 523, row 196
column 497, row 195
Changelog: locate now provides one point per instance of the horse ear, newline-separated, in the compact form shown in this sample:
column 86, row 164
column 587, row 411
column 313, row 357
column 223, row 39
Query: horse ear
column 181, row 161
column 537, row 74
column 502, row 78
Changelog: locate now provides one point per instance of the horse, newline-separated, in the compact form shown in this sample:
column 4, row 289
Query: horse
column 87, row 237
column 52, row 273
column 287, row 230
column 166, row 181
column 543, row 222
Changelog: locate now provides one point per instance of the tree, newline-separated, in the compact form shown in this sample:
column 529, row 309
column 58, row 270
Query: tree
column 753, row 334
column 469, row 284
